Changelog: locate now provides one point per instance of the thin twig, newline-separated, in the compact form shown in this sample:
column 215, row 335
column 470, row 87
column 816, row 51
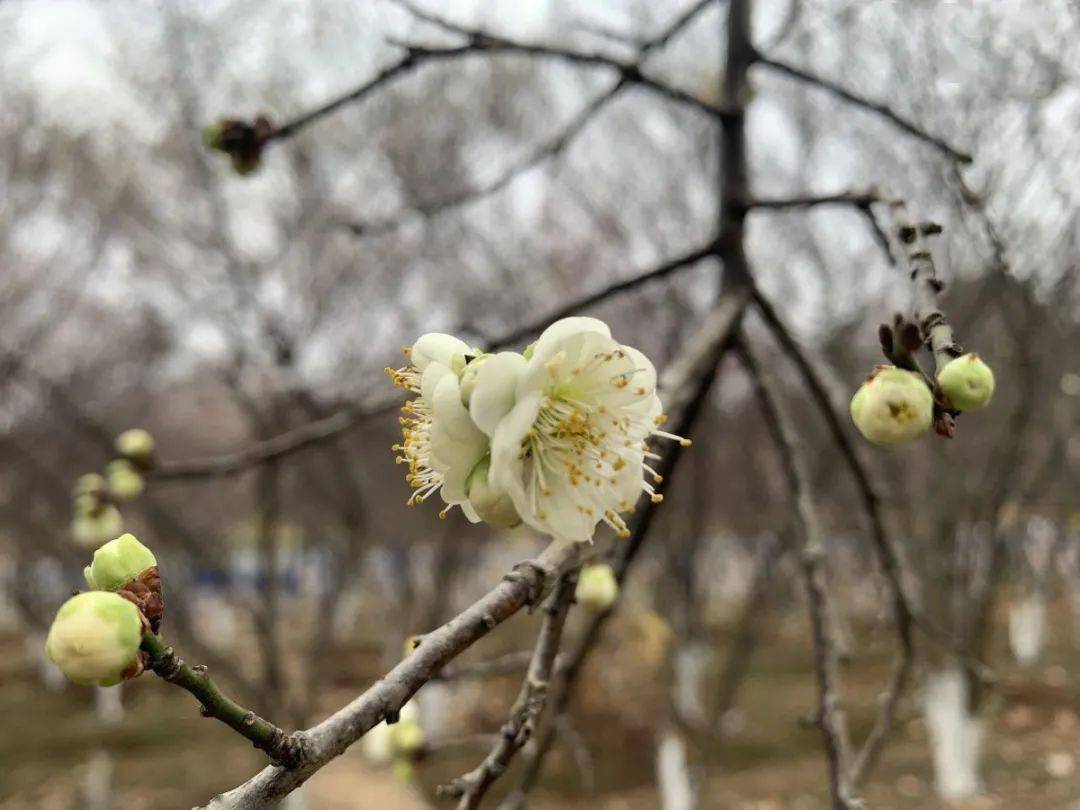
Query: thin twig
column 884, row 544
column 878, row 108
column 830, row 714
column 858, row 199
column 473, row 786
column 283, row 749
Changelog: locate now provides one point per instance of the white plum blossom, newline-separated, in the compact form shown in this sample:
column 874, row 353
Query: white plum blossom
column 556, row 437
column 570, row 445
column 440, row 443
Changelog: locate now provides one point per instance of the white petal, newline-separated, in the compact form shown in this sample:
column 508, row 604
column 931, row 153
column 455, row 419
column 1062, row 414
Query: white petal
column 505, row 474
column 430, row 379
column 562, row 329
column 628, row 479
column 561, row 517
column 435, row 347
column 644, row 371
column 470, row 513
column 456, row 444
column 493, row 395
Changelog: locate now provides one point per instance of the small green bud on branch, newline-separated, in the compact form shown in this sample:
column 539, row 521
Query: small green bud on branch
column 967, row 382
column 893, row 406
column 95, row 639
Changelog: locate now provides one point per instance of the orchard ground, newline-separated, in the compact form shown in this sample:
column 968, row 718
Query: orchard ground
column 166, row 756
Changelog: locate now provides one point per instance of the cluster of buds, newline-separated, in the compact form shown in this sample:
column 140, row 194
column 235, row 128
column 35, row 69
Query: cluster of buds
column 898, row 403
column 96, row 636
column 243, row 142
column 97, row 517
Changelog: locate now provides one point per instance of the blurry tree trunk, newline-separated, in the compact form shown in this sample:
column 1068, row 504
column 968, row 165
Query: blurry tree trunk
column 97, row 782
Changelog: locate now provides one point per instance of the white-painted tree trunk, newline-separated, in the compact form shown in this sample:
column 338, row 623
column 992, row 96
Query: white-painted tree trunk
column 673, row 774
column 97, row 782
column 109, row 704
column 691, row 669
column 955, row 735
column 1027, row 625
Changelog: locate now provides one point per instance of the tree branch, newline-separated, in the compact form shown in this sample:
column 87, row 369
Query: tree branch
column 322, row 743
column 883, row 542
column 283, row 749
column 830, row 714
column 880, row 109
column 473, row 786
column 858, row 199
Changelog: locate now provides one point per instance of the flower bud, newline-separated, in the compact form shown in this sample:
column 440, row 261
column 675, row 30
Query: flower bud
column 90, row 484
column 494, row 508
column 597, row 588
column 468, row 377
column 125, row 482
column 407, row 738
column 213, row 136
column 95, row 638
column 95, row 525
column 118, row 562
column 137, row 446
column 244, row 165
column 893, row 406
column 967, row 382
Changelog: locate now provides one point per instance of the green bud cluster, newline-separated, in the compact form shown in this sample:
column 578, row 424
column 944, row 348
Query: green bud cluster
column 96, row 496
column 96, row 635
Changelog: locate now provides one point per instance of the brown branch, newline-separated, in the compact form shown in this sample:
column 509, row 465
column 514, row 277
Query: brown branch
column 282, row 748
column 523, row 586
column 878, row 108
column 473, row 786
column 483, row 42
column 830, row 714
column 858, row 199
column 884, row 544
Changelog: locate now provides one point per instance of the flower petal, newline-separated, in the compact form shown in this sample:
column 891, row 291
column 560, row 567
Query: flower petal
column 493, row 395
column 435, row 347
column 566, row 327
column 506, row 473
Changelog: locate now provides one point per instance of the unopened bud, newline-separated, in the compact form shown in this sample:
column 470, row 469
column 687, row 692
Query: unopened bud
column 95, row 638
column 967, row 382
column 407, row 738
column 244, row 165
column 97, row 524
column 494, row 508
column 125, row 481
column 597, row 588
column 137, row 446
column 118, row 562
column 893, row 406
column 213, row 136
column 90, row 484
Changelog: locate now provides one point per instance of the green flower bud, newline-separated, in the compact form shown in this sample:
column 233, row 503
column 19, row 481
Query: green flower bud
column 118, row 562
column 404, row 770
column 97, row 525
column 597, row 588
column 89, row 484
column 967, row 382
column 528, row 353
column 407, row 738
column 213, row 136
column 244, row 165
column 494, row 508
column 468, row 378
column 137, row 446
column 125, row 482
column 95, row 638
column 893, row 406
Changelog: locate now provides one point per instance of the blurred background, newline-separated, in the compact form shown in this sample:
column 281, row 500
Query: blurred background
column 145, row 283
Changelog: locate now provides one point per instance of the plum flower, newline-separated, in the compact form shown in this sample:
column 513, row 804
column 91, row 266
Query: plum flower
column 569, row 425
column 440, row 443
